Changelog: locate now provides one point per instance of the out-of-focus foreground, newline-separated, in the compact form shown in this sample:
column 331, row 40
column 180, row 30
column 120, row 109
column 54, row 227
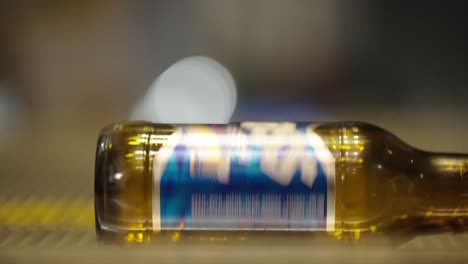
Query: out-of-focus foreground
column 67, row 68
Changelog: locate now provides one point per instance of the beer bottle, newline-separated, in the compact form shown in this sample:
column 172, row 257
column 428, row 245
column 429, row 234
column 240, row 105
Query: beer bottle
column 334, row 178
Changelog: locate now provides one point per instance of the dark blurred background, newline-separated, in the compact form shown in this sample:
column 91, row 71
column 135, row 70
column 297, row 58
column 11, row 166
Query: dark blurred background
column 67, row 68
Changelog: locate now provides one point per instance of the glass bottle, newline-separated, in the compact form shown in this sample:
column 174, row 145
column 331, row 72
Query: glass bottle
column 347, row 178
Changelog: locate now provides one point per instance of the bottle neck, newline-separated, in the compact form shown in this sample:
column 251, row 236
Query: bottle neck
column 446, row 185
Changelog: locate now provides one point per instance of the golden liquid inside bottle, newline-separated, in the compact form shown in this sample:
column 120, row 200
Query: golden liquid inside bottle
column 382, row 185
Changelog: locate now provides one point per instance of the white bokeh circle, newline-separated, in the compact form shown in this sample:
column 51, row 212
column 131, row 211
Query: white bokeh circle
column 193, row 90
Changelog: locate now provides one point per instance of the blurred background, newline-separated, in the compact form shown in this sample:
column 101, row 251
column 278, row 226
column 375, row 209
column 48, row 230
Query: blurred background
column 67, row 68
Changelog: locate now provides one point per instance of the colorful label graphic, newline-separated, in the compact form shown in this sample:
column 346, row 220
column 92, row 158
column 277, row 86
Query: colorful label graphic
column 247, row 176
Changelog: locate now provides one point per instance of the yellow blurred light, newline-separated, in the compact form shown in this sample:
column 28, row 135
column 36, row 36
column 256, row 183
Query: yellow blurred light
column 47, row 213
column 130, row 237
column 357, row 234
column 175, row 237
column 139, row 237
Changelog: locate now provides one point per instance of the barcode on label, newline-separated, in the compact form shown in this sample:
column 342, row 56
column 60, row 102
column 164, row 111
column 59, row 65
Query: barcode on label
column 258, row 211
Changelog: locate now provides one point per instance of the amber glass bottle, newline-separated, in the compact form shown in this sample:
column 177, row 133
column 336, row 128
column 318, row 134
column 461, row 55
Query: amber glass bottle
column 155, row 180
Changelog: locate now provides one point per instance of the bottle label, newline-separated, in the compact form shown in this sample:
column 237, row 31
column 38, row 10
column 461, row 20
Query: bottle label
column 247, row 176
